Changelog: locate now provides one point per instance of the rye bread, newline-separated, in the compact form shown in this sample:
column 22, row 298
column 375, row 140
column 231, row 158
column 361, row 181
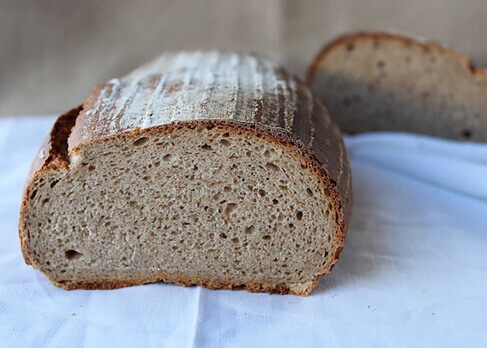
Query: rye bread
column 384, row 82
column 198, row 169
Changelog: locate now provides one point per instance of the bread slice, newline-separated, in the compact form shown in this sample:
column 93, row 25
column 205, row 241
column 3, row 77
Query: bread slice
column 384, row 82
column 213, row 169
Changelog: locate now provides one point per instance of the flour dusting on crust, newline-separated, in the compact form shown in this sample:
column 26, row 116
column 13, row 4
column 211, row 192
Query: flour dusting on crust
column 192, row 86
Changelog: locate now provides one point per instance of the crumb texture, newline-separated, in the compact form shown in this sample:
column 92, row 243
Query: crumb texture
column 380, row 82
column 170, row 204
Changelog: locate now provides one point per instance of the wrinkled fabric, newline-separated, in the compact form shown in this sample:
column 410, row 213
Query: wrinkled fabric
column 413, row 271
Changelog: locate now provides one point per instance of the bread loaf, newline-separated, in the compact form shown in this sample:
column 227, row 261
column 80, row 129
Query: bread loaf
column 384, row 82
column 201, row 168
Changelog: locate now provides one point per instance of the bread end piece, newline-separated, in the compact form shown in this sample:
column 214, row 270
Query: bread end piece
column 376, row 81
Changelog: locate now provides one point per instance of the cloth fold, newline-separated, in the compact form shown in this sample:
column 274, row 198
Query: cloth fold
column 413, row 271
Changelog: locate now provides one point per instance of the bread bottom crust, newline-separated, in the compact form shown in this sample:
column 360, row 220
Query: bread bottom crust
column 300, row 289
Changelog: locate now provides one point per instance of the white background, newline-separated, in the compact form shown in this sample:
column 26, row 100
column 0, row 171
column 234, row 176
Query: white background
column 413, row 271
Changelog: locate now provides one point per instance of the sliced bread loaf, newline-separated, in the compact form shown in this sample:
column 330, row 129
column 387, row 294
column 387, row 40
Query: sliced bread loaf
column 385, row 82
column 200, row 168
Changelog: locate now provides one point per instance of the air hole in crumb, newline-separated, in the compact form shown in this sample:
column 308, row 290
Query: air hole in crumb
column 262, row 192
column 309, row 192
column 224, row 142
column 46, row 200
column 33, row 194
column 249, row 229
column 272, row 166
column 54, row 183
column 248, row 153
column 226, row 135
column 72, row 254
column 467, row 133
column 299, row 215
column 91, row 168
column 275, row 201
column 266, row 237
column 223, row 235
column 235, row 240
column 230, row 208
column 206, row 147
column 166, row 157
column 141, row 141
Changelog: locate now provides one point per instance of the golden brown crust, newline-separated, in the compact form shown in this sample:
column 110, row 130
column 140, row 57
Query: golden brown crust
column 54, row 147
column 370, row 36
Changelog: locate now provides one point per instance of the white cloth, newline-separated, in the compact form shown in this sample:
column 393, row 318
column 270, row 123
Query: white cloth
column 413, row 271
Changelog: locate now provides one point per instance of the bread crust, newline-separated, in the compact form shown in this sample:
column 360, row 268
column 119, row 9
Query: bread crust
column 282, row 289
column 326, row 157
column 370, row 36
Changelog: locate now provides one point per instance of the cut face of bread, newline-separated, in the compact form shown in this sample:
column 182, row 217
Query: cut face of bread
column 200, row 204
column 210, row 201
column 384, row 82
